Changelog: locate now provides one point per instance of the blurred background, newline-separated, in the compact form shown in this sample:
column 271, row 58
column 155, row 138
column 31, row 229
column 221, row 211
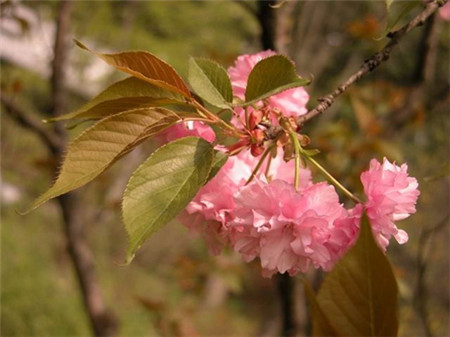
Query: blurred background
column 61, row 264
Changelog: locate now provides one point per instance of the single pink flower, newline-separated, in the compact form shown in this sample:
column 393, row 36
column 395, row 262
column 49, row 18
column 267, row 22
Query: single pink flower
column 213, row 207
column 184, row 129
column 391, row 196
column 291, row 102
column 290, row 230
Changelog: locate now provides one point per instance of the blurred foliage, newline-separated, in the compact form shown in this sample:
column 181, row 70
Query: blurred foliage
column 175, row 287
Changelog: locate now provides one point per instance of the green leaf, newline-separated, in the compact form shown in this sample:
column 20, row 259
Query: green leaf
column 397, row 10
column 147, row 67
column 271, row 76
column 99, row 146
column 311, row 153
column 321, row 324
column 162, row 187
column 219, row 160
column 211, row 82
column 359, row 296
column 124, row 95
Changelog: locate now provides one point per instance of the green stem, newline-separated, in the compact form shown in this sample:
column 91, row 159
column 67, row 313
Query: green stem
column 215, row 118
column 332, row 180
column 261, row 161
column 297, row 150
column 269, row 161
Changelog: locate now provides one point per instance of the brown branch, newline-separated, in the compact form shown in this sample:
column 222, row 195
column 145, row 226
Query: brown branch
column 50, row 138
column 422, row 79
column 368, row 66
column 427, row 54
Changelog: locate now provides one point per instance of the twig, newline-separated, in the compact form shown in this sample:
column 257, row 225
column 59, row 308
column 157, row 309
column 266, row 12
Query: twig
column 368, row 66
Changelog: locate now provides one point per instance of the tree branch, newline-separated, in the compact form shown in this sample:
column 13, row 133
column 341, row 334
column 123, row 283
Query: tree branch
column 50, row 138
column 102, row 320
column 367, row 67
column 427, row 53
column 419, row 94
column 267, row 21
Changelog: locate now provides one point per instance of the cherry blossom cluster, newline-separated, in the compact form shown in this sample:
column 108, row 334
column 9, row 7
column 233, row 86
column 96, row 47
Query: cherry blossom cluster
column 289, row 229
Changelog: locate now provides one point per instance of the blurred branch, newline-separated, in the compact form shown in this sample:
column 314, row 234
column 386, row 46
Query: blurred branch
column 367, row 67
column 427, row 52
column 423, row 77
column 286, row 289
column 267, row 21
column 50, row 138
column 422, row 254
column 102, row 320
column 285, row 24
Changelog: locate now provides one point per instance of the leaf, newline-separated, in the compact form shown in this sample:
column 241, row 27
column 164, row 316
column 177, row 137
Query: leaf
column 271, row 76
column 311, row 153
column 145, row 66
column 162, row 187
column 321, row 324
column 359, row 296
column 211, row 82
column 219, row 160
column 99, row 146
column 395, row 11
column 364, row 115
column 124, row 95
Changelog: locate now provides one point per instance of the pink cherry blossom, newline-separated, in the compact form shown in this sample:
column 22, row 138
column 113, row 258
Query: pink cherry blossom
column 184, row 129
column 290, row 230
column 291, row 102
column 213, row 207
column 391, row 196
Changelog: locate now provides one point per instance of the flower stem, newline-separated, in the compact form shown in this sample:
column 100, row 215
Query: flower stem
column 261, row 161
column 332, row 179
column 214, row 118
column 269, row 161
column 297, row 150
